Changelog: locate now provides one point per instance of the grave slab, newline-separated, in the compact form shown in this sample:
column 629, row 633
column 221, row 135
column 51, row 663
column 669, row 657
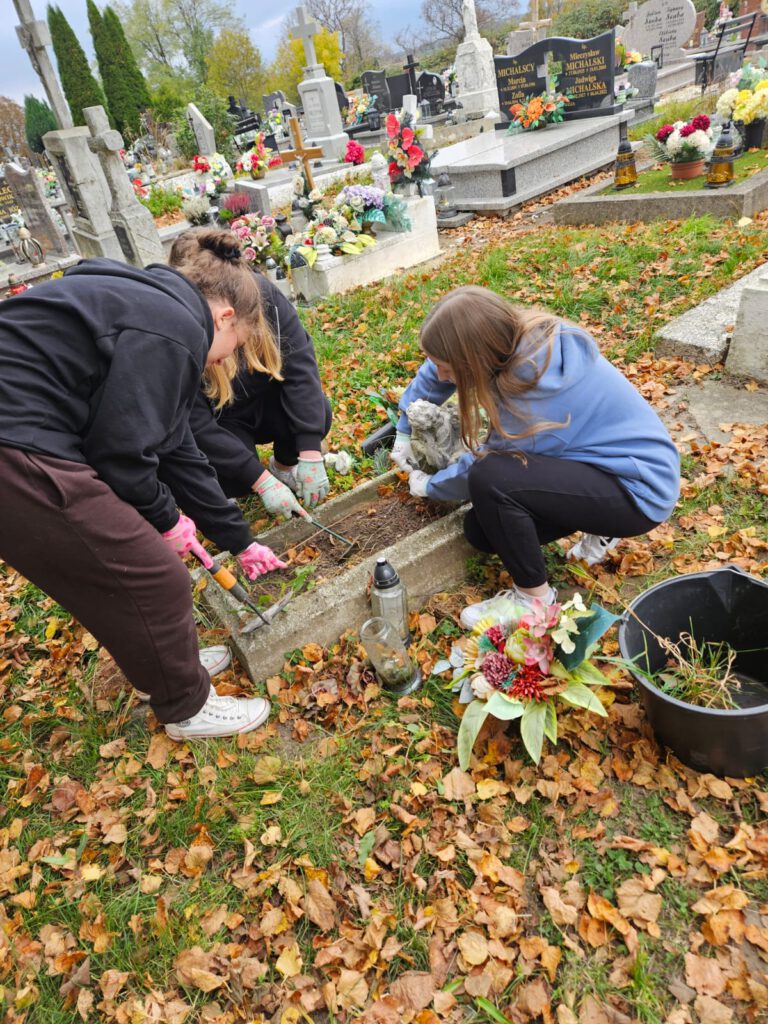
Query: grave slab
column 589, row 206
column 428, row 561
column 393, row 251
column 748, row 351
column 713, row 402
column 494, row 172
column 703, row 333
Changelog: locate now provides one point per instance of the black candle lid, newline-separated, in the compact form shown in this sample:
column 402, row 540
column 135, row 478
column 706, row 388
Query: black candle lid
column 384, row 576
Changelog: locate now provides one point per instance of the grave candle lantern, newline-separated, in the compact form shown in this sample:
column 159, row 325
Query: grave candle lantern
column 625, row 172
column 394, row 668
column 721, row 164
column 389, row 599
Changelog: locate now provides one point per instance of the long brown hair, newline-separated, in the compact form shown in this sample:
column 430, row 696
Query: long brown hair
column 497, row 352
column 210, row 258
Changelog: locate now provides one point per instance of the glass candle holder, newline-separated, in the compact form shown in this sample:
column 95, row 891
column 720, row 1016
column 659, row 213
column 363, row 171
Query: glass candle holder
column 394, row 668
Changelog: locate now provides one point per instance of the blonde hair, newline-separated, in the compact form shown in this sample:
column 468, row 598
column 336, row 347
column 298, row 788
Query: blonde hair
column 497, row 352
column 210, row 258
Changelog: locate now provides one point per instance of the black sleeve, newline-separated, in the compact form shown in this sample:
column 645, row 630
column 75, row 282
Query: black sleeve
column 230, row 457
column 144, row 401
column 192, row 481
column 301, row 391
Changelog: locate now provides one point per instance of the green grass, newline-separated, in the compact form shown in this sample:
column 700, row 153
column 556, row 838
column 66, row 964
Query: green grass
column 659, row 179
column 671, row 111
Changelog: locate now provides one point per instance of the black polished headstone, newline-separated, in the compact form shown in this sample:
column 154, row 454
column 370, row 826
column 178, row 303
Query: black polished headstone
column 432, row 88
column 583, row 68
column 341, row 97
column 375, row 84
column 399, row 86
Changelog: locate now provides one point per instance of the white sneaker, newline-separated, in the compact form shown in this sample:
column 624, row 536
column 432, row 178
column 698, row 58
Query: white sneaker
column 592, row 549
column 285, row 476
column 506, row 606
column 213, row 660
column 221, row 716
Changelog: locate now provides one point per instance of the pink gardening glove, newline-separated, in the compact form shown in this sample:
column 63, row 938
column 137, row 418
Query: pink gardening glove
column 181, row 539
column 258, row 559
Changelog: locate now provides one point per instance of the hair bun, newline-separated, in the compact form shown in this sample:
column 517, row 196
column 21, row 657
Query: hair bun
column 221, row 243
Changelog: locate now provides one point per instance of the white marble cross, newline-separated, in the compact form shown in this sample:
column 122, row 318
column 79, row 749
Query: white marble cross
column 306, row 31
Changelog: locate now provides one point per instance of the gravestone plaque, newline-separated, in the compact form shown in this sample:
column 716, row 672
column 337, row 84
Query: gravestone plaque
column 665, row 23
column 375, row 84
column 399, row 86
column 27, row 193
column 583, row 68
column 432, row 88
column 8, row 204
column 341, row 97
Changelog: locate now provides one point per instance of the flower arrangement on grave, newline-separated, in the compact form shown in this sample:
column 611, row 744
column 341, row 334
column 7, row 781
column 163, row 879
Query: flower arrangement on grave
column 254, row 162
column 276, row 122
column 449, row 76
column 358, row 107
column 304, row 197
column 527, row 664
column 331, row 228
column 259, row 238
column 365, row 204
column 200, row 164
column 219, row 174
column 745, row 105
column 355, row 153
column 684, row 142
column 626, row 58
column 197, row 210
column 50, row 184
column 408, row 161
column 237, row 204
column 538, row 111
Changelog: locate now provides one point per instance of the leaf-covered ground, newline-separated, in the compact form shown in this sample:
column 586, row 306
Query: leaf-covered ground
column 337, row 865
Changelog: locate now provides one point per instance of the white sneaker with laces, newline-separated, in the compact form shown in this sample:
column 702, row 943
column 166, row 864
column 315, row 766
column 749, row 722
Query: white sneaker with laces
column 285, row 476
column 592, row 549
column 504, row 607
column 213, row 660
column 221, row 716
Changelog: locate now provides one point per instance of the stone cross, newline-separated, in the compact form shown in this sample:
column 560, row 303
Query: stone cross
column 469, row 15
column 35, row 38
column 132, row 221
column 535, row 23
column 299, row 152
column 306, row 31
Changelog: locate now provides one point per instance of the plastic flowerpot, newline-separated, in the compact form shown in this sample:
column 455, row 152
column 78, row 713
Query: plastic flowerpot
column 725, row 606
column 756, row 134
column 686, row 171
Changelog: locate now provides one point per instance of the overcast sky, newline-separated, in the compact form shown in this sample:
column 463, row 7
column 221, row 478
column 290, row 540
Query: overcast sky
column 18, row 78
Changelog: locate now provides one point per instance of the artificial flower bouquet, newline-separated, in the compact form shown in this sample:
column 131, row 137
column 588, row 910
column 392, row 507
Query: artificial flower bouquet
column 304, row 197
column 526, row 664
column 684, row 142
column 362, row 204
column 331, row 228
column 200, row 164
column 259, row 238
column 216, row 172
column 359, row 107
column 355, row 153
column 538, row 111
column 408, row 161
column 626, row 58
column 254, row 162
column 745, row 105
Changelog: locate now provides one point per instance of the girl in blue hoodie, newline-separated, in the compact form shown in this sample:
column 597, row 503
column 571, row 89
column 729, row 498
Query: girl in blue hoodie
column 571, row 444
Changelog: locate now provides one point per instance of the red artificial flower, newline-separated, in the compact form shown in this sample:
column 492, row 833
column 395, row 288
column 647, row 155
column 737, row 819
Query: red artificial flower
column 686, row 130
column 355, row 153
column 496, row 635
column 394, row 171
column 408, row 138
column 393, row 126
column 664, row 132
column 415, row 156
column 527, row 684
column 701, row 123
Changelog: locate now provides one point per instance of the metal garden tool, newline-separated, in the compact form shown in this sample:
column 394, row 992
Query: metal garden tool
column 350, row 543
column 227, row 581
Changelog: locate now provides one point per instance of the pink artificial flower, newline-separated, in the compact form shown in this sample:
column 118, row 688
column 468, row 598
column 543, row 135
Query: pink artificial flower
column 249, row 254
column 393, row 126
column 541, row 618
column 538, row 653
column 268, row 222
column 242, row 232
column 415, row 156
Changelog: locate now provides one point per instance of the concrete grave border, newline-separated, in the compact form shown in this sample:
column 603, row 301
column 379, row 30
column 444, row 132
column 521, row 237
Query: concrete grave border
column 734, row 201
column 430, row 560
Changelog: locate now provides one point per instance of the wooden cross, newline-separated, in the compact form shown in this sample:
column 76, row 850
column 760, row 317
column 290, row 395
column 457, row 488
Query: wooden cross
column 300, row 153
column 535, row 23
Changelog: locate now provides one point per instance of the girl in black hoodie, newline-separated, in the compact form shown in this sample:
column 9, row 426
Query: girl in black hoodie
column 98, row 373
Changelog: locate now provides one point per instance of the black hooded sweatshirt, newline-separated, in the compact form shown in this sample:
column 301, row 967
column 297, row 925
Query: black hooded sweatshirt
column 102, row 368
column 300, row 391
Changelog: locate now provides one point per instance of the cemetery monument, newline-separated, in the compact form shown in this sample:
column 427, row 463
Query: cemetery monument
column 24, row 191
column 35, row 38
column 474, row 68
column 528, row 32
column 202, row 130
column 322, row 118
column 659, row 29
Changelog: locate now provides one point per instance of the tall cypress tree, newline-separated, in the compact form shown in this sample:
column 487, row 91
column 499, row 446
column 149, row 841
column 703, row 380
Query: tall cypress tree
column 80, row 87
column 38, row 119
column 124, row 84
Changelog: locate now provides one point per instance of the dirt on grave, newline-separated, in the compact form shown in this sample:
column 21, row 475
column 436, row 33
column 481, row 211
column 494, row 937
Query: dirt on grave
column 394, row 514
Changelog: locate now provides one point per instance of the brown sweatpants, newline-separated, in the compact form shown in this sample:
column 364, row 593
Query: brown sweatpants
column 68, row 532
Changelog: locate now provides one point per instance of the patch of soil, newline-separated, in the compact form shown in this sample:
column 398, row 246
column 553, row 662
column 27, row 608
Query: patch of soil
column 393, row 515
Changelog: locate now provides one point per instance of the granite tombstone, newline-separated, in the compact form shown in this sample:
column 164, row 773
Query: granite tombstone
column 664, row 24
column 375, row 84
column 431, row 87
column 27, row 194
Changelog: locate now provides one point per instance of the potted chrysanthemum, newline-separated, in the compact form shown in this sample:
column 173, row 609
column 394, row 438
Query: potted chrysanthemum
column 686, row 146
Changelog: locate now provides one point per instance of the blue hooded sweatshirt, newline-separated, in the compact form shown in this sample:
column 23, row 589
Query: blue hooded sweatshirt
column 605, row 423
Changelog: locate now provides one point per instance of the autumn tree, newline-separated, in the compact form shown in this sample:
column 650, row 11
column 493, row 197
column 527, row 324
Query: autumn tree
column 445, row 17
column 235, row 67
column 38, row 119
column 80, row 87
column 13, row 136
column 288, row 68
column 582, row 19
column 124, row 84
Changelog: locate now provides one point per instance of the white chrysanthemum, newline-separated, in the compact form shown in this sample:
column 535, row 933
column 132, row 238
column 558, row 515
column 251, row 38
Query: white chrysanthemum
column 674, row 144
column 701, row 141
column 726, row 103
column 326, row 236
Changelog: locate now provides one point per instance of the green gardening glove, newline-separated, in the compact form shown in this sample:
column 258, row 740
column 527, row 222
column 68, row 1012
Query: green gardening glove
column 312, row 482
column 278, row 499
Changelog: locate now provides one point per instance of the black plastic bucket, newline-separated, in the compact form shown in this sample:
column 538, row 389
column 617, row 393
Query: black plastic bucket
column 723, row 606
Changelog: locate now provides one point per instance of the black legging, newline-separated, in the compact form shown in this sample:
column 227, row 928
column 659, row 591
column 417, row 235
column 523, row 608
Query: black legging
column 520, row 505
